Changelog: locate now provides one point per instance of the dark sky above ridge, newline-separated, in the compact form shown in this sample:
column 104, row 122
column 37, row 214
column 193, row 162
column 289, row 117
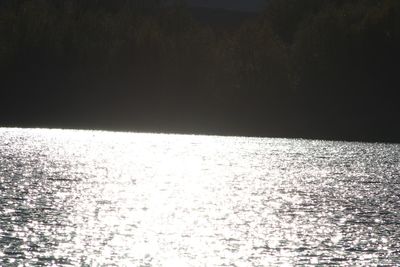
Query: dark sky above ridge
column 243, row 5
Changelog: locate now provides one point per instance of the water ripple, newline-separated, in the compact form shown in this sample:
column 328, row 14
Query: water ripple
column 86, row 198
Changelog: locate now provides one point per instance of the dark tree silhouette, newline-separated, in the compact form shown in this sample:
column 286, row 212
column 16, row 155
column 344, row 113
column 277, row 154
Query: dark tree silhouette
column 317, row 68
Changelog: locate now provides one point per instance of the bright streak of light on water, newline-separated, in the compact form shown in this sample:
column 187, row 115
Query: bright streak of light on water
column 125, row 199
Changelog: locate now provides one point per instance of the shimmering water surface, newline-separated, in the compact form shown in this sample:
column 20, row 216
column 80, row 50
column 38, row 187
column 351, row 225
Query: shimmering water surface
column 85, row 198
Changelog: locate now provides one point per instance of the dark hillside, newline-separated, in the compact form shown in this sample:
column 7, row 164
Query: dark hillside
column 314, row 69
column 220, row 17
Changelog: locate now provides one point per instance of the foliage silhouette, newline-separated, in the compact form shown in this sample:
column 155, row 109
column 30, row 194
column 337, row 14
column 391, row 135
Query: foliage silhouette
column 317, row 68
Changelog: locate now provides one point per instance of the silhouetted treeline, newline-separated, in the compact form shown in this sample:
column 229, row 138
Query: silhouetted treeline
column 306, row 68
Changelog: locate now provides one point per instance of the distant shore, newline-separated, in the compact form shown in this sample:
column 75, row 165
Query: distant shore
column 301, row 69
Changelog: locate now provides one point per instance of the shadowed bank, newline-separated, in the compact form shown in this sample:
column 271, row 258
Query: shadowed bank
column 314, row 69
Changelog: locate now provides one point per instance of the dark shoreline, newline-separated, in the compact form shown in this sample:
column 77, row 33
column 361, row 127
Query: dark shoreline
column 315, row 69
column 154, row 130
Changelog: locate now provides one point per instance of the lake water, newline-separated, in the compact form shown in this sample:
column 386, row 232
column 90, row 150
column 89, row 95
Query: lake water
column 87, row 198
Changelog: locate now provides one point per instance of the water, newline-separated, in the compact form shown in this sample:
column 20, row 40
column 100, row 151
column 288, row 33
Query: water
column 85, row 198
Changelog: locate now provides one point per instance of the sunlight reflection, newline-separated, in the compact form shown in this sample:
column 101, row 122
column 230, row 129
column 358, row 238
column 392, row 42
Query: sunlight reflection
column 120, row 199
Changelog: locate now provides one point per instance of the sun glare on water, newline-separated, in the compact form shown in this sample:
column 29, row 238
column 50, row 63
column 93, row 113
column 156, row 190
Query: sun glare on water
column 88, row 198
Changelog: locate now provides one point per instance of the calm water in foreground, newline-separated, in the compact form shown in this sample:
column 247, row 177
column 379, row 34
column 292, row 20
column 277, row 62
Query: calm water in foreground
column 84, row 198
